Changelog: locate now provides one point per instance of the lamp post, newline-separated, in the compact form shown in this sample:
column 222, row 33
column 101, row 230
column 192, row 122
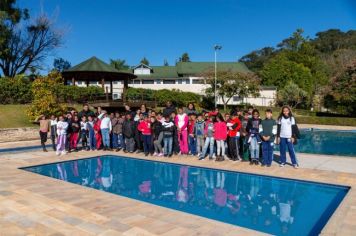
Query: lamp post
column 216, row 48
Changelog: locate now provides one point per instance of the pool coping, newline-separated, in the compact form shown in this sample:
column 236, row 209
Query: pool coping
column 335, row 225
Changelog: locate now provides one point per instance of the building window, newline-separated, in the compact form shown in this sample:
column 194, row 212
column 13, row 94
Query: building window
column 80, row 82
column 158, row 81
column 187, row 81
column 180, row 81
column 197, row 81
column 236, row 98
column 148, row 81
column 137, row 81
column 169, row 81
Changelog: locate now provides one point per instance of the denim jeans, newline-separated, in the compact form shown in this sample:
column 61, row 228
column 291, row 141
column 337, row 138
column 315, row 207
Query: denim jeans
column 254, row 148
column 192, row 143
column 209, row 143
column 105, row 133
column 200, row 144
column 147, row 143
column 267, row 152
column 92, row 140
column 284, row 143
column 117, row 141
column 168, row 143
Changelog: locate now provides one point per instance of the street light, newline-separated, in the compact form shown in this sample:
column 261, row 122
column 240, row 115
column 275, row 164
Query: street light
column 216, row 48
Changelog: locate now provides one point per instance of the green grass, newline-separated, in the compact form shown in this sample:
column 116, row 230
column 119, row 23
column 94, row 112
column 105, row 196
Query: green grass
column 14, row 116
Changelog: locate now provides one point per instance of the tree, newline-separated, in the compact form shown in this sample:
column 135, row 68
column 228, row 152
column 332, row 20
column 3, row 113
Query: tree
column 185, row 57
column 119, row 64
column 28, row 44
column 61, row 64
column 291, row 95
column 256, row 59
column 231, row 84
column 45, row 101
column 165, row 62
column 342, row 95
column 145, row 61
column 280, row 70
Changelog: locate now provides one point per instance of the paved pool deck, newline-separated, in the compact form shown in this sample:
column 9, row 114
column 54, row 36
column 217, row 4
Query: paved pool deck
column 31, row 204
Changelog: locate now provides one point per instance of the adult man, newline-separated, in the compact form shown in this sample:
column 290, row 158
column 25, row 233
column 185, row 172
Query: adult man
column 169, row 109
column 85, row 112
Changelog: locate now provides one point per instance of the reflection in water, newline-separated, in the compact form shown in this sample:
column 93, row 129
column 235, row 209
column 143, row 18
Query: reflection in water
column 327, row 142
column 266, row 204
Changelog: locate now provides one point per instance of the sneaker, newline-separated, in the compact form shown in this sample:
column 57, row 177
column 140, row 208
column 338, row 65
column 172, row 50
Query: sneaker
column 170, row 155
column 296, row 166
column 155, row 154
column 201, row 158
column 160, row 155
column 58, row 153
column 165, row 155
column 282, row 164
column 269, row 165
column 256, row 162
column 63, row 153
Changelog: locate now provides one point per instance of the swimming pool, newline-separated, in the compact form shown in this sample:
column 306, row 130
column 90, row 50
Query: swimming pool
column 330, row 142
column 268, row 204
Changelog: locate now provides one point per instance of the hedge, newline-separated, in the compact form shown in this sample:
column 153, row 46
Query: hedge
column 326, row 120
column 15, row 90
column 177, row 97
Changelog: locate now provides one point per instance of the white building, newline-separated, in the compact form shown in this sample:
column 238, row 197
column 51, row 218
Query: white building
column 184, row 76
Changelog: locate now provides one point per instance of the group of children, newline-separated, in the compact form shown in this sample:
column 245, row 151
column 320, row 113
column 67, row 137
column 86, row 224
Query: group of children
column 239, row 135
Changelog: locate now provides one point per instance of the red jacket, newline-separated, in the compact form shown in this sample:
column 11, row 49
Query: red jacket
column 236, row 126
column 191, row 124
column 144, row 127
column 220, row 130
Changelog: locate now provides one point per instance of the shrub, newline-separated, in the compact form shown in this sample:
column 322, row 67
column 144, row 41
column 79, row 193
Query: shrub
column 15, row 90
column 177, row 97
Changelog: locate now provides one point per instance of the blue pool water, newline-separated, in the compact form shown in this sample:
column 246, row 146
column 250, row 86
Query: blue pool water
column 327, row 142
column 268, row 204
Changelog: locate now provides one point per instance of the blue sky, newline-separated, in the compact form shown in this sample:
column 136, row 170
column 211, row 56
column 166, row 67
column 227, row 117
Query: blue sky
column 164, row 29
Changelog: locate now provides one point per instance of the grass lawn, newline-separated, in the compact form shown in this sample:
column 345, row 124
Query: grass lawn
column 14, row 116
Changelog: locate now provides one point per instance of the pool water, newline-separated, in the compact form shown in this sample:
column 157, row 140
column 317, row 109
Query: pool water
column 327, row 142
column 268, row 204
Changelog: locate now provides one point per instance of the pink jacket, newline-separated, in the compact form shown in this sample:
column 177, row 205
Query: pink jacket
column 220, row 130
column 181, row 121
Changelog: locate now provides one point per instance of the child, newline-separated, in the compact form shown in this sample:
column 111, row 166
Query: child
column 268, row 132
column 234, row 126
column 168, row 131
column 199, row 127
column 145, row 128
column 220, row 135
column 90, row 130
column 192, row 141
column 128, row 131
column 75, row 128
column 44, row 128
column 157, row 136
column 53, row 131
column 62, row 127
column 117, row 140
column 181, row 121
column 250, row 111
column 254, row 140
column 97, row 133
column 105, row 128
column 84, row 133
column 287, row 133
column 244, row 137
column 209, row 139
column 175, row 147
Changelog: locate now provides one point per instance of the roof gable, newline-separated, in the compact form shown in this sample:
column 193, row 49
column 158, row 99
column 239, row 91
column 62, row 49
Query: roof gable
column 93, row 64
